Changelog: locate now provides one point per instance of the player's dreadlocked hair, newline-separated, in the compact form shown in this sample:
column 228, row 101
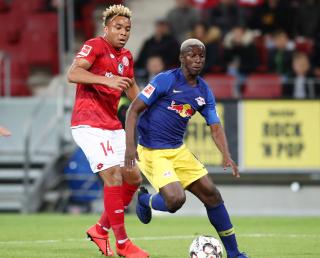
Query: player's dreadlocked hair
column 115, row 10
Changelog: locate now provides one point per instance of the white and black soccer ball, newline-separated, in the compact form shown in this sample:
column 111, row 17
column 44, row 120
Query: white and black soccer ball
column 205, row 247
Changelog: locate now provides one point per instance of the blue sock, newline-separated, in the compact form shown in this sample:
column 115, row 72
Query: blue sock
column 220, row 219
column 157, row 201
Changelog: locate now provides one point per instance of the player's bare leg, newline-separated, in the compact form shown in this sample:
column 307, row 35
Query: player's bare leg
column 131, row 182
column 170, row 198
column 174, row 196
column 207, row 192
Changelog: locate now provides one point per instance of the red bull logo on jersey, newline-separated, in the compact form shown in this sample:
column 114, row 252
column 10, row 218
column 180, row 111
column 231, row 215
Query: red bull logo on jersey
column 184, row 110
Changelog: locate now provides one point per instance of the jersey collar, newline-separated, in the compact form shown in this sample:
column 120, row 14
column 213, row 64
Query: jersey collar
column 111, row 48
column 183, row 78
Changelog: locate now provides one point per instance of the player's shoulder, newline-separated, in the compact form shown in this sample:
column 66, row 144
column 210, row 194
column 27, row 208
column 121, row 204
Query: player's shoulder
column 166, row 75
column 204, row 86
column 202, row 83
column 126, row 52
column 94, row 41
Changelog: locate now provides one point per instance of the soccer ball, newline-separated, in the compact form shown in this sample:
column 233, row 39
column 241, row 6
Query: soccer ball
column 205, row 247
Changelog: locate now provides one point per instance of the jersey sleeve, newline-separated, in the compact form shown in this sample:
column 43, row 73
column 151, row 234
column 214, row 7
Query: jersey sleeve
column 88, row 51
column 156, row 88
column 209, row 111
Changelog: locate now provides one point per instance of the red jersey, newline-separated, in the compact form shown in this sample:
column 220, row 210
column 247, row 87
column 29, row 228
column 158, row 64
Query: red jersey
column 96, row 105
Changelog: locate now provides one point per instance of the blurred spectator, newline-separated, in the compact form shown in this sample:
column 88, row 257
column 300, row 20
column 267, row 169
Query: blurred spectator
column 250, row 3
column 203, row 4
column 162, row 44
column 307, row 18
column 316, row 56
column 271, row 16
column 240, row 54
column 154, row 65
column 280, row 55
column 211, row 39
column 182, row 18
column 225, row 16
column 300, row 85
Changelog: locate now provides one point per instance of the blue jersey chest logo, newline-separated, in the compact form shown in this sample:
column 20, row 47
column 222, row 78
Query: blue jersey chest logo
column 184, row 110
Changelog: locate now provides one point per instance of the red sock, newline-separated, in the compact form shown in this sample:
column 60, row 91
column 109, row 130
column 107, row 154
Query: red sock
column 128, row 192
column 104, row 220
column 115, row 211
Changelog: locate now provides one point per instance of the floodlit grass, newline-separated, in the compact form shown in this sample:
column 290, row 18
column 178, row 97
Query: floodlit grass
column 63, row 236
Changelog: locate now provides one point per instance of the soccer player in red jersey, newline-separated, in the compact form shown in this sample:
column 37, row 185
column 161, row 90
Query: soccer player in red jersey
column 103, row 69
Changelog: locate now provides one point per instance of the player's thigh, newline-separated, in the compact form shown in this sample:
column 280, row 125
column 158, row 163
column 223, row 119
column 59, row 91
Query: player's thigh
column 188, row 168
column 118, row 143
column 156, row 166
column 98, row 146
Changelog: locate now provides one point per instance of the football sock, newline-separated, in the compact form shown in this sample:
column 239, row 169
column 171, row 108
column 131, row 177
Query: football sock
column 128, row 192
column 115, row 211
column 104, row 221
column 220, row 219
column 155, row 201
column 101, row 229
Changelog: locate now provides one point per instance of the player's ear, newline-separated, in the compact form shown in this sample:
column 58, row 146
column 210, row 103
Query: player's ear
column 181, row 58
column 106, row 29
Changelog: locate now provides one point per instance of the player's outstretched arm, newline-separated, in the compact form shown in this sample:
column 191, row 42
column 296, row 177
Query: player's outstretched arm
column 4, row 132
column 136, row 107
column 220, row 140
column 78, row 73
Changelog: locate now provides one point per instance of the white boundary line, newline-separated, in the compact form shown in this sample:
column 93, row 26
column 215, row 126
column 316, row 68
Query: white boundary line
column 156, row 238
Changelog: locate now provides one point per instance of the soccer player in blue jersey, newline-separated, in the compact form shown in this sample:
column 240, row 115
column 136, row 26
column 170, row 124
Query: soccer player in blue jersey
column 167, row 104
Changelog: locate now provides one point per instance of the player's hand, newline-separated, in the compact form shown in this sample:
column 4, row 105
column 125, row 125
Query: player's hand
column 118, row 82
column 4, row 132
column 131, row 156
column 228, row 162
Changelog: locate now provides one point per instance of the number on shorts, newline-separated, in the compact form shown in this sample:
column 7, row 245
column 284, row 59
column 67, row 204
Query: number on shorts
column 106, row 150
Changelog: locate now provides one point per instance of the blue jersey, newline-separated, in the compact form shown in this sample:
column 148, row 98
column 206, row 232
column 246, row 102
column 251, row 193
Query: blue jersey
column 171, row 103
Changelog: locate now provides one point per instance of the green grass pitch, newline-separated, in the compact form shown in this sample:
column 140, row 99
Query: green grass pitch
column 62, row 236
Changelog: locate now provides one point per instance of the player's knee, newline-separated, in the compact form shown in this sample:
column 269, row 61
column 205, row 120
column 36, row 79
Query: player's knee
column 133, row 178
column 136, row 181
column 175, row 203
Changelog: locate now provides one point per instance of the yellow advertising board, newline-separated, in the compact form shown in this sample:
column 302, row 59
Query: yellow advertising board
column 199, row 141
column 281, row 134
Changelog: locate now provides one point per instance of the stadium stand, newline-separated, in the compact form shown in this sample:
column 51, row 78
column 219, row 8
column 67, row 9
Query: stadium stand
column 39, row 39
column 26, row 7
column 304, row 45
column 263, row 86
column 221, row 84
column 29, row 38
